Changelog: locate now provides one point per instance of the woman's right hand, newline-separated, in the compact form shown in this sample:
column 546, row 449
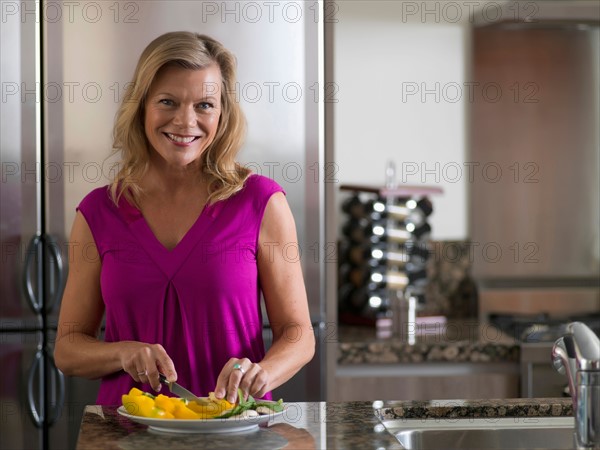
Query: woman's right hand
column 143, row 362
column 78, row 351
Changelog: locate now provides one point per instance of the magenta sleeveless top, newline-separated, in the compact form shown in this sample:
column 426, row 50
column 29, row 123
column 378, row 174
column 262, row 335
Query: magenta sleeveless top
column 200, row 301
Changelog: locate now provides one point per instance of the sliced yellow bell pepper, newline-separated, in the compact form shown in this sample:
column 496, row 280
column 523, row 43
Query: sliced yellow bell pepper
column 216, row 407
column 181, row 411
column 204, row 411
column 143, row 404
column 166, row 403
column 138, row 405
column 135, row 391
column 159, row 413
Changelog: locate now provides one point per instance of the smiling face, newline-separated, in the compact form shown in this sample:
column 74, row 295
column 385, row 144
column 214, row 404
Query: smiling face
column 182, row 112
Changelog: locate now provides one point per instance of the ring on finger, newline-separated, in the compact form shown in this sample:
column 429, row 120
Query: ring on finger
column 145, row 372
column 238, row 366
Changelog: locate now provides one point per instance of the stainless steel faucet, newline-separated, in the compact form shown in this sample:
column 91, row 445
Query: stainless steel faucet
column 577, row 354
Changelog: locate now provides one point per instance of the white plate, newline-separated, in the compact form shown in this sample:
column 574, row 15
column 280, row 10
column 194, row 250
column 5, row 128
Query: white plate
column 231, row 425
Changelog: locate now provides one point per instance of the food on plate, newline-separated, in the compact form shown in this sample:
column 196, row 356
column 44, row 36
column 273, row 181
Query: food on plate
column 144, row 404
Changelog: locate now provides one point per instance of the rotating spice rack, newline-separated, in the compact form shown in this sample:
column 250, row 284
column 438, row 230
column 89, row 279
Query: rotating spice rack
column 383, row 251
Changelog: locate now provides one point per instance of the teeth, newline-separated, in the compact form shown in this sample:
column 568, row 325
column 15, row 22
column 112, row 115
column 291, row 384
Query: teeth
column 183, row 140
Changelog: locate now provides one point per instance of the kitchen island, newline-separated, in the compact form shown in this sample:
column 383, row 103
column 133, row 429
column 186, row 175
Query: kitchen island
column 311, row 425
column 461, row 359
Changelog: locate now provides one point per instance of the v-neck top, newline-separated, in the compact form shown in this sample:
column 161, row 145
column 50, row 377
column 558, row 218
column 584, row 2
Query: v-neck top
column 200, row 300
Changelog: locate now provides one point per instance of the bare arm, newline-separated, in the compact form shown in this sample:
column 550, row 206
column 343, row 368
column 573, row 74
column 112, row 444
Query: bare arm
column 78, row 351
column 280, row 275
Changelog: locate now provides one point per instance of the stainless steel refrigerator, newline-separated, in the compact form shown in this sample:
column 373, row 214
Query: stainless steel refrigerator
column 64, row 68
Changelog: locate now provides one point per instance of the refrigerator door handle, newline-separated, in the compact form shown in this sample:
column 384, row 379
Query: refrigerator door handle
column 32, row 256
column 36, row 416
column 57, row 272
column 59, row 401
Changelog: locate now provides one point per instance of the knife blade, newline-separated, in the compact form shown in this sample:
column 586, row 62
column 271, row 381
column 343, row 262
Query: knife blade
column 182, row 392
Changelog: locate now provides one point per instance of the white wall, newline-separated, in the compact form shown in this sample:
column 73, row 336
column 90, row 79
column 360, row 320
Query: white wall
column 401, row 70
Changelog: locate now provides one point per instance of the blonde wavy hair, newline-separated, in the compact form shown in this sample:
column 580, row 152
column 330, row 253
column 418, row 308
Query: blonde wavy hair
column 190, row 51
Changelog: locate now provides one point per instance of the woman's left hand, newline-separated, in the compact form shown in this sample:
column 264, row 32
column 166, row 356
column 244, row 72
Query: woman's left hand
column 250, row 377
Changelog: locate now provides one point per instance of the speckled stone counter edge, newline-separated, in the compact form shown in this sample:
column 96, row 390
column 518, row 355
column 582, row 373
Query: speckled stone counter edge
column 456, row 409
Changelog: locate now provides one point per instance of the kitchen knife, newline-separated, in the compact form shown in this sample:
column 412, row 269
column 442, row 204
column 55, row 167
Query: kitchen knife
column 182, row 392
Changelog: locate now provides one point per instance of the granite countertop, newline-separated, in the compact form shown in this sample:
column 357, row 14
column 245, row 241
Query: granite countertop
column 303, row 426
column 307, row 425
column 454, row 342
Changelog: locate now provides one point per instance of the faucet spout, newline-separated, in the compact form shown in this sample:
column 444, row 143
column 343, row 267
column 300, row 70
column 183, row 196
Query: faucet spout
column 577, row 354
column 564, row 362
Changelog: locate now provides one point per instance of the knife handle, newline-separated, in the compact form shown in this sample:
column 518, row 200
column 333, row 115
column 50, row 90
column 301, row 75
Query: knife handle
column 163, row 379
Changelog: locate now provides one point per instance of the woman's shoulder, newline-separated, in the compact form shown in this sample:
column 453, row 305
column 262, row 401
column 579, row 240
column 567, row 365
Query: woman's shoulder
column 255, row 194
column 96, row 198
column 259, row 184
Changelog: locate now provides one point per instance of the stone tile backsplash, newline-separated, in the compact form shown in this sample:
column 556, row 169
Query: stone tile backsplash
column 451, row 291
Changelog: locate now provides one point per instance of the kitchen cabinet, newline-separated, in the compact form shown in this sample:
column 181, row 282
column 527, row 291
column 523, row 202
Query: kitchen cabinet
column 426, row 382
column 534, row 133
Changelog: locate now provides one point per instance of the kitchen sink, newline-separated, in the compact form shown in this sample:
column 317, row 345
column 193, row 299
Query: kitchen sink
column 484, row 433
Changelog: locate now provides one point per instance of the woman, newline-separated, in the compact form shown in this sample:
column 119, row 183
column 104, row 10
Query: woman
column 176, row 251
